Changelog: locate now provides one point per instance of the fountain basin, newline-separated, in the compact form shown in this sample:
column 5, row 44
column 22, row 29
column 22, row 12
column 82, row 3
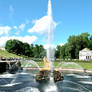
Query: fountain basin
column 45, row 73
column 11, row 66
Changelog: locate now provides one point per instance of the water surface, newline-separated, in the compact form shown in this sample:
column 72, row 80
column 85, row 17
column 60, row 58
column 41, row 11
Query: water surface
column 24, row 82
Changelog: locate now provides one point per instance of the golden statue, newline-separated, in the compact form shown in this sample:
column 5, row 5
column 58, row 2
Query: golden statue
column 46, row 64
column 44, row 73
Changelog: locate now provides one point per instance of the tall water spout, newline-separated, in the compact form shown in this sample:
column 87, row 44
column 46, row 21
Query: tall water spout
column 49, row 9
column 50, row 50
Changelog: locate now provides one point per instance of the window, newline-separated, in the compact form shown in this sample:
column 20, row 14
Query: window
column 86, row 57
column 90, row 57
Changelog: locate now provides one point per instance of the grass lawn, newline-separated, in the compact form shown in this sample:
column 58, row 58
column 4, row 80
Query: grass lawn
column 5, row 54
column 85, row 64
column 66, row 64
column 73, row 64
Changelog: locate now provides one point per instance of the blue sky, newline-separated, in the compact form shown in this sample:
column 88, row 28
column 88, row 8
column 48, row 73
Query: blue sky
column 73, row 17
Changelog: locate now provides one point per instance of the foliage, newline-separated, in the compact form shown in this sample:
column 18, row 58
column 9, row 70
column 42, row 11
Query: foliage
column 26, row 51
column 71, row 49
column 39, row 51
column 57, row 51
column 20, row 48
column 15, row 46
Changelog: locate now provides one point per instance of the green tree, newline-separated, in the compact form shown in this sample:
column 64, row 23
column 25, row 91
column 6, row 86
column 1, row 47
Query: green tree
column 26, row 49
column 19, row 48
column 36, row 51
column 85, row 35
column 77, row 43
column 62, row 52
column 31, row 50
column 42, row 51
column 74, row 45
column 68, row 50
column 14, row 46
column 90, row 37
column 39, row 51
column 57, row 51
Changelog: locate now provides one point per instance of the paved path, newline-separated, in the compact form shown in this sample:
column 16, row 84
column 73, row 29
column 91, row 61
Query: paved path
column 64, row 70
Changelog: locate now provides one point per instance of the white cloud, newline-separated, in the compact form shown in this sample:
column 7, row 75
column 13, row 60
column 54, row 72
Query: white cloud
column 28, row 39
column 22, row 26
column 15, row 27
column 1, row 32
column 41, row 25
column 4, row 30
column 61, row 44
column 19, row 28
column 17, row 33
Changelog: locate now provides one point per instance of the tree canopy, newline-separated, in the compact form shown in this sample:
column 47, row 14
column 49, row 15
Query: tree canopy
column 70, row 50
column 74, row 45
column 14, row 46
column 20, row 48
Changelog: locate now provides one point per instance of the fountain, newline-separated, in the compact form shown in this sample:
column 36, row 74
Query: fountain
column 48, row 70
column 30, row 80
column 45, row 73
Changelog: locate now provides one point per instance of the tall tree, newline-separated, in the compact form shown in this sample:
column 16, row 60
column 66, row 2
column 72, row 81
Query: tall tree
column 57, row 51
column 26, row 49
column 31, row 50
column 75, row 44
column 36, row 51
column 42, row 51
column 14, row 46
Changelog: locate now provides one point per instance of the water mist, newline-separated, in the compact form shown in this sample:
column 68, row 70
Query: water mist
column 50, row 50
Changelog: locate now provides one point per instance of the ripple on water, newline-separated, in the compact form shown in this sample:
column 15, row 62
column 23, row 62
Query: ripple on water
column 10, row 85
column 28, row 89
column 79, row 76
column 8, row 76
column 86, row 82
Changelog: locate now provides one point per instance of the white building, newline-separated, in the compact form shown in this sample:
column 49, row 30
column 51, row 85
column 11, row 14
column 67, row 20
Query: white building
column 85, row 54
column 2, row 48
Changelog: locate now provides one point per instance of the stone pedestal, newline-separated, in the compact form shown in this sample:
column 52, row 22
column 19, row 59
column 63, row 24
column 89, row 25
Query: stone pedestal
column 44, row 75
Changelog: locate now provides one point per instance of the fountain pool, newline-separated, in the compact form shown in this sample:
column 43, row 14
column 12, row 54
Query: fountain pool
column 24, row 82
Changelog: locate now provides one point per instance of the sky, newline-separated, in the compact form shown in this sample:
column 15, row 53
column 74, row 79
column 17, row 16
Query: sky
column 19, row 17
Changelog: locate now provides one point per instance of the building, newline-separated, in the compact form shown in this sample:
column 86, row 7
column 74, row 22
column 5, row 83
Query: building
column 85, row 54
column 2, row 48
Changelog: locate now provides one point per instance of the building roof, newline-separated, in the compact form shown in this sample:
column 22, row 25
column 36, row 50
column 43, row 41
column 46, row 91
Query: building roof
column 85, row 49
